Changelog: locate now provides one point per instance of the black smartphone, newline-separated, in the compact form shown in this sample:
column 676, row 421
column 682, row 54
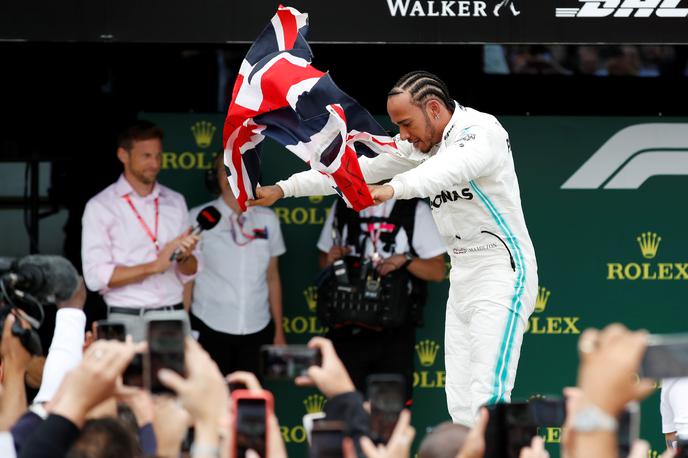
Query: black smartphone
column 251, row 426
column 510, row 428
column 233, row 386
column 287, row 362
column 326, row 439
column 110, row 330
column 548, row 412
column 387, row 393
column 629, row 428
column 165, row 351
column 133, row 374
column 666, row 356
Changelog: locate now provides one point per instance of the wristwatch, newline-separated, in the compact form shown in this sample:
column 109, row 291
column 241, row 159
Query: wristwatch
column 591, row 418
column 409, row 259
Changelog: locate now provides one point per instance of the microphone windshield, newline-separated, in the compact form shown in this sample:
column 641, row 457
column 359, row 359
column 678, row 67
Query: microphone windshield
column 208, row 217
column 47, row 277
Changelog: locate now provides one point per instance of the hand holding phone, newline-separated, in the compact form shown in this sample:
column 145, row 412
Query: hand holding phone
column 165, row 351
column 331, row 376
column 110, row 330
column 326, row 439
column 288, row 362
column 251, row 432
column 386, row 393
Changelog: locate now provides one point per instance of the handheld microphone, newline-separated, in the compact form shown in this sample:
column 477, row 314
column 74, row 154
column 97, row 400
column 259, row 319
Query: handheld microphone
column 206, row 219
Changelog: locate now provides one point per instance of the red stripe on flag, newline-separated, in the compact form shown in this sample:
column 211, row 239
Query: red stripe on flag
column 349, row 179
column 277, row 81
column 288, row 21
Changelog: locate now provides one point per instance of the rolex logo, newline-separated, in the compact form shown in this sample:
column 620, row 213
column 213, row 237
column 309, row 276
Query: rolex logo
column 203, row 132
column 427, row 352
column 649, row 242
column 542, row 298
column 316, row 199
column 311, row 295
column 314, row 403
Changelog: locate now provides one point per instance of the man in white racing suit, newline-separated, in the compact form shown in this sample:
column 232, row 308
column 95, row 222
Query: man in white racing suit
column 461, row 160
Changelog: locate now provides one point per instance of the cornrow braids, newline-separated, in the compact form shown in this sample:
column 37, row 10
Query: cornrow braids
column 423, row 86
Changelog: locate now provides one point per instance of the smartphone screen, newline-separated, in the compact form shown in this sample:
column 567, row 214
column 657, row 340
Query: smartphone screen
column 629, row 428
column 666, row 356
column 326, row 439
column 165, row 351
column 110, row 330
column 387, row 397
column 548, row 413
column 510, row 428
column 133, row 375
column 250, row 427
column 287, row 362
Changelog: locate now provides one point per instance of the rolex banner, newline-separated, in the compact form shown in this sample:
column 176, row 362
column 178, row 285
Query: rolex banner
column 353, row 21
column 602, row 199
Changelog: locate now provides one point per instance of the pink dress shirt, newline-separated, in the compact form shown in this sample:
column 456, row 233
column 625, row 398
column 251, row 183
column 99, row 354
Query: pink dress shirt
column 113, row 236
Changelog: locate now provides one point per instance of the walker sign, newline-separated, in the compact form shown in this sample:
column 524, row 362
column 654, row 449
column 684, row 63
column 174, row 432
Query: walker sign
column 376, row 21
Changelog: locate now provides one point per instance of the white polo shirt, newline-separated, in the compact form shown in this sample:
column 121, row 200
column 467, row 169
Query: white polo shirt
column 674, row 405
column 230, row 294
column 426, row 242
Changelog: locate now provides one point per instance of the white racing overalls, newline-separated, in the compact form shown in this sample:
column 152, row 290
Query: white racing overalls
column 470, row 180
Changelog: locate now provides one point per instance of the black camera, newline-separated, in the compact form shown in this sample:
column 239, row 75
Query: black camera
column 26, row 285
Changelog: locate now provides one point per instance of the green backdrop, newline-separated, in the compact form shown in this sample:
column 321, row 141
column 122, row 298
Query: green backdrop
column 591, row 267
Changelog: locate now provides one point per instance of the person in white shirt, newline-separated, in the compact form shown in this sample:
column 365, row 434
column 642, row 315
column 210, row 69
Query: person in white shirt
column 674, row 409
column 411, row 242
column 236, row 301
column 461, row 160
column 130, row 231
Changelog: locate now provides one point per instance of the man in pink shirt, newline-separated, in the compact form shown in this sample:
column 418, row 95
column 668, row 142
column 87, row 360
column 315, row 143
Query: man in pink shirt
column 131, row 229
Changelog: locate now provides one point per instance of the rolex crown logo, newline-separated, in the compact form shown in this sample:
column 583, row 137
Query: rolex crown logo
column 649, row 242
column 311, row 295
column 427, row 352
column 203, row 132
column 314, row 403
column 542, row 298
column 316, row 199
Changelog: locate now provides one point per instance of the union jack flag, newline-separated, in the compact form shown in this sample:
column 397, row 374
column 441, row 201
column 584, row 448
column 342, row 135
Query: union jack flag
column 279, row 94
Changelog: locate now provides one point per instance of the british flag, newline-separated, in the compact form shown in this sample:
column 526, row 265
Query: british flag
column 279, row 94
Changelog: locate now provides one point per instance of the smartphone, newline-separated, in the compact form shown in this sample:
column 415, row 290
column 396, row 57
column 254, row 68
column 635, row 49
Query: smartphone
column 629, row 428
column 666, row 356
column 548, row 412
column 252, row 410
column 510, row 428
column 165, row 351
column 287, row 362
column 110, row 330
column 387, row 395
column 326, row 439
column 233, row 386
column 133, row 374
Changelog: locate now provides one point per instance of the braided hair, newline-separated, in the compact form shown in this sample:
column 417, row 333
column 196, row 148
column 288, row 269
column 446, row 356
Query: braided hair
column 423, row 86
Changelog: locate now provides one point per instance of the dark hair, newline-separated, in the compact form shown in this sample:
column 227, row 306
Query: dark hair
column 140, row 130
column 104, row 438
column 423, row 86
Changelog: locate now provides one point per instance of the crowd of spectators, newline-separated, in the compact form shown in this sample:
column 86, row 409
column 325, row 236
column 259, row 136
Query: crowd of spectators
column 591, row 60
column 83, row 410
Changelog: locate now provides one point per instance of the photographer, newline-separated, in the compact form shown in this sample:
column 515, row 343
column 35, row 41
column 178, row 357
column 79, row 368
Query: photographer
column 397, row 240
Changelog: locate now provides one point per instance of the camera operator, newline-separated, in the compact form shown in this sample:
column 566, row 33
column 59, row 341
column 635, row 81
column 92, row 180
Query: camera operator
column 399, row 249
